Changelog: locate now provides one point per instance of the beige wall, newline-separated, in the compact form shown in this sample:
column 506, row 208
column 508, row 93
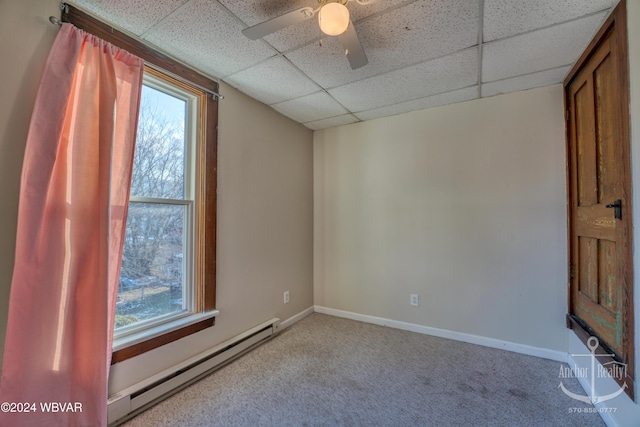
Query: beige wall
column 25, row 38
column 265, row 201
column 265, row 230
column 463, row 205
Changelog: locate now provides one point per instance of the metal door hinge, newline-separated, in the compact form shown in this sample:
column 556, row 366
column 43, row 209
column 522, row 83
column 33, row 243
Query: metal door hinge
column 571, row 271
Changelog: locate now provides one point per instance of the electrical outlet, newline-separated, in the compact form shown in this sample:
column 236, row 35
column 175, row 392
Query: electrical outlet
column 286, row 297
column 413, row 299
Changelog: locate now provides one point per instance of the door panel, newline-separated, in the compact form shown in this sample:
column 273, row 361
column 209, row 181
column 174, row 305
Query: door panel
column 584, row 112
column 587, row 275
column 608, row 279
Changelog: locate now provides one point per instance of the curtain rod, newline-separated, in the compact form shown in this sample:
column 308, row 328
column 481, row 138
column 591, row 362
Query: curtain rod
column 216, row 95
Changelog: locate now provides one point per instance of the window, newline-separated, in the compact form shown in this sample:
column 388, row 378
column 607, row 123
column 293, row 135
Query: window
column 161, row 286
column 167, row 283
column 158, row 281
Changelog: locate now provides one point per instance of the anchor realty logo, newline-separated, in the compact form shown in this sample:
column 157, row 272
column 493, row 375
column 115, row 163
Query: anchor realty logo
column 609, row 370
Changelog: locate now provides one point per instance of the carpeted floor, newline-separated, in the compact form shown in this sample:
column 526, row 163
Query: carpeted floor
column 329, row 371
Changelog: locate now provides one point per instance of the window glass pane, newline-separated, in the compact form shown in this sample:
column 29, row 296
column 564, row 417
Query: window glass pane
column 158, row 168
column 152, row 275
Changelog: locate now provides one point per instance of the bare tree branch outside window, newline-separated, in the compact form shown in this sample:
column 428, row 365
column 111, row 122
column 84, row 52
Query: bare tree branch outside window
column 151, row 277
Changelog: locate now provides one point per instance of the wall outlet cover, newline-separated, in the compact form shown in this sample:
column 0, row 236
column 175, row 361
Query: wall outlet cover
column 413, row 299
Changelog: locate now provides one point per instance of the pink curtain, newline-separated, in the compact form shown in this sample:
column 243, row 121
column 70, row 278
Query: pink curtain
column 71, row 220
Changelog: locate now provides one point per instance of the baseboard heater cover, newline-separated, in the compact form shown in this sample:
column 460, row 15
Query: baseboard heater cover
column 135, row 399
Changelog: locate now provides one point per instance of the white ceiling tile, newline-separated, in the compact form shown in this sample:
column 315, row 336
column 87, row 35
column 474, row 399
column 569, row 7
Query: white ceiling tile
column 429, row 78
column 204, row 35
column 332, row 122
column 253, row 12
column 549, row 48
column 327, row 65
column 291, row 37
column 404, row 36
column 505, row 18
column 452, row 97
column 314, row 107
column 425, row 28
column 529, row 81
column 273, row 81
column 130, row 15
column 361, row 11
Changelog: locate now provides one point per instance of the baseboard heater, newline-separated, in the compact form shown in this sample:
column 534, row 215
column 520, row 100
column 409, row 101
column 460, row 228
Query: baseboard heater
column 139, row 397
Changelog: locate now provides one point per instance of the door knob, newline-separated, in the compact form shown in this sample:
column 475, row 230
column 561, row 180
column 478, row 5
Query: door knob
column 617, row 206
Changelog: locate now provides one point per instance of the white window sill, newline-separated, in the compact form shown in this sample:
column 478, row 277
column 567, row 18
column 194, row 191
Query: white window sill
column 146, row 334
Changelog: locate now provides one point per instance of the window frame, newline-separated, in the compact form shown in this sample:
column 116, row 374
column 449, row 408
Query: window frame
column 190, row 202
column 206, row 165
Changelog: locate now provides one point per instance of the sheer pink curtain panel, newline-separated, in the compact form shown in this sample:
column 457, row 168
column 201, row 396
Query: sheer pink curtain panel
column 71, row 219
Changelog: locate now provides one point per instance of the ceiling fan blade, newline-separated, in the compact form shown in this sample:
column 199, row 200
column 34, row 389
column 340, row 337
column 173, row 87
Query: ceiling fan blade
column 353, row 47
column 272, row 25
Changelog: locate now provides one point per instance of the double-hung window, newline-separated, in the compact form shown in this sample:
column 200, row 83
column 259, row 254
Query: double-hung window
column 163, row 289
column 158, row 286
column 168, row 276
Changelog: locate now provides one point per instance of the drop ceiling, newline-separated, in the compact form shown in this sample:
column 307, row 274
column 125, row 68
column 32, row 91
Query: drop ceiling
column 422, row 53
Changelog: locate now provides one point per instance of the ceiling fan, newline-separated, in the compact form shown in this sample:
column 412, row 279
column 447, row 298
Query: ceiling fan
column 334, row 20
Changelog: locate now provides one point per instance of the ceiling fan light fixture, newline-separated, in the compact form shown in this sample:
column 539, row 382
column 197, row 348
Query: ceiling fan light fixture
column 333, row 19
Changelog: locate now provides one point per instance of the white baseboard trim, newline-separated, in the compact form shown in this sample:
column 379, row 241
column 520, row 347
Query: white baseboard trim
column 296, row 318
column 620, row 411
column 443, row 333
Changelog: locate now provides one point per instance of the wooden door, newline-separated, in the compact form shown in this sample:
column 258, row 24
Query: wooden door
column 596, row 90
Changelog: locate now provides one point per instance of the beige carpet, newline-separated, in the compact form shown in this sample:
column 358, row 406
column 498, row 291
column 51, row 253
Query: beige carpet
column 328, row 371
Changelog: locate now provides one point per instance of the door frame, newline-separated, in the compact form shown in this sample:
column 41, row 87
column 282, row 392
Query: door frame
column 617, row 19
